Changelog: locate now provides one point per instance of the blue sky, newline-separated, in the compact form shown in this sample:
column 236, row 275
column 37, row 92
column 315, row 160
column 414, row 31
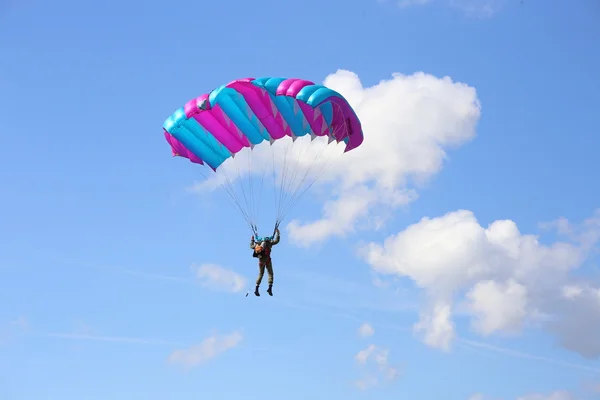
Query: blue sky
column 103, row 246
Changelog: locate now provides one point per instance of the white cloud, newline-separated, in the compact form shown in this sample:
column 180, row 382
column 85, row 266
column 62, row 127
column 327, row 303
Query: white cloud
column 478, row 8
column 408, row 3
column 409, row 121
column 436, row 326
column 377, row 358
column 366, row 382
column 362, row 356
column 208, row 349
column 218, row 278
column 510, row 280
column 498, row 306
column 477, row 396
column 366, row 330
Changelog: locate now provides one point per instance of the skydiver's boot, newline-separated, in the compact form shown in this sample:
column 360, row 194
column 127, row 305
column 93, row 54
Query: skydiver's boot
column 270, row 290
column 256, row 292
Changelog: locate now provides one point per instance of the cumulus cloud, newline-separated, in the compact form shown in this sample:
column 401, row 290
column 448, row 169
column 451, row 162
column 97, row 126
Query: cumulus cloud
column 409, row 122
column 366, row 330
column 215, row 277
column 498, row 306
column 206, row 350
column 436, row 326
column 378, row 369
column 509, row 280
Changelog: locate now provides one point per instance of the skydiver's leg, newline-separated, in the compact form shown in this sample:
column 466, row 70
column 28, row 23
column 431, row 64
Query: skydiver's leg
column 270, row 273
column 261, row 273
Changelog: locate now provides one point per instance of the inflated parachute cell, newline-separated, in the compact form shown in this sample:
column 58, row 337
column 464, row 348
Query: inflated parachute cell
column 243, row 113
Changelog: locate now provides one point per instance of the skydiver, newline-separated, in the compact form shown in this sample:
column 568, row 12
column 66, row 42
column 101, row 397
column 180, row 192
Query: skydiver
column 262, row 251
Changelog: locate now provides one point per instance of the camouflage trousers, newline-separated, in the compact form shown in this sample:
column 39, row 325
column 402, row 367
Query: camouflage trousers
column 261, row 271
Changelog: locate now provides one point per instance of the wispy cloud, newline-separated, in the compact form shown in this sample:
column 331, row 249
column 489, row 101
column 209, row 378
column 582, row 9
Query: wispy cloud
column 471, row 8
column 321, row 308
column 112, row 339
column 592, row 387
column 383, row 370
column 20, row 323
column 209, row 276
column 12, row 329
column 216, row 277
column 351, row 296
column 156, row 276
column 408, row 3
column 528, row 356
column 206, row 350
column 478, row 8
column 84, row 332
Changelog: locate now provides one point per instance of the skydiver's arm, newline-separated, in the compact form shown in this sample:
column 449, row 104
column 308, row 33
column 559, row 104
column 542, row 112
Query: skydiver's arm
column 252, row 243
column 276, row 238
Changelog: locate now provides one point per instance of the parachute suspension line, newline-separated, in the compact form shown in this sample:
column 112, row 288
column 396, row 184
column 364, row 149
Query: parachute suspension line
column 251, row 186
column 294, row 173
column 291, row 199
column 283, row 175
column 287, row 184
column 324, row 169
column 246, row 201
column 297, row 195
column 230, row 188
column 288, row 190
column 286, row 171
column 284, row 181
column 291, row 190
column 255, row 203
column 262, row 181
column 274, row 179
column 232, row 196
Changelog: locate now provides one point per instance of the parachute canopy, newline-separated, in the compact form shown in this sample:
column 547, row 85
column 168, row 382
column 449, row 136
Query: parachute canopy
column 215, row 127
